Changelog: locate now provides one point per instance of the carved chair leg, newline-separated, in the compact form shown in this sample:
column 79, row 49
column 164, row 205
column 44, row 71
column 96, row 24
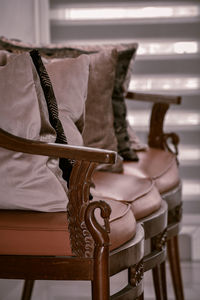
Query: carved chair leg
column 159, row 280
column 141, row 297
column 27, row 290
column 175, row 268
column 100, row 288
column 158, row 243
column 164, row 280
column 101, row 282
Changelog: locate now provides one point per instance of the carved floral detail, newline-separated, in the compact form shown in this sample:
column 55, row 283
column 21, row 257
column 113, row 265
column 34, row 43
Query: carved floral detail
column 175, row 214
column 136, row 273
column 159, row 241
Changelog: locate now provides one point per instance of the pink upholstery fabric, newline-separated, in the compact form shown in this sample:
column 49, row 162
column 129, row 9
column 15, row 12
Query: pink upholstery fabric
column 34, row 233
column 69, row 78
column 122, row 223
column 38, row 233
column 135, row 189
column 29, row 182
column 158, row 164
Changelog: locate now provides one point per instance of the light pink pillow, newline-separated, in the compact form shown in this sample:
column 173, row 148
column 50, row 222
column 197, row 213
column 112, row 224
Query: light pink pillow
column 69, row 78
column 28, row 182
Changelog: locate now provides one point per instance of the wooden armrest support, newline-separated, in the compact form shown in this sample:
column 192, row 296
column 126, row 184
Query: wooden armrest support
column 18, row 144
column 156, row 98
column 157, row 138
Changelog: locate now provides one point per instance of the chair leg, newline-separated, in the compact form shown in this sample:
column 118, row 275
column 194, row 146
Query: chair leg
column 175, row 267
column 141, row 297
column 159, row 280
column 164, row 280
column 101, row 280
column 27, row 290
column 100, row 288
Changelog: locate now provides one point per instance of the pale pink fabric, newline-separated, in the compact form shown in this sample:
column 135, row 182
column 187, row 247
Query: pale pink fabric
column 69, row 77
column 27, row 181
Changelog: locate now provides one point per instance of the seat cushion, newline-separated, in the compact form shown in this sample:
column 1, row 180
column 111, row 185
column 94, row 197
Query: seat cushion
column 34, row 233
column 158, row 164
column 39, row 233
column 137, row 190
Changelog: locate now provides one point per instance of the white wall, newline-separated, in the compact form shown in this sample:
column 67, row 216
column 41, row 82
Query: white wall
column 26, row 20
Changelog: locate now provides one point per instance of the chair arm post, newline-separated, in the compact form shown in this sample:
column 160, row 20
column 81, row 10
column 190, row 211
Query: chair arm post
column 157, row 138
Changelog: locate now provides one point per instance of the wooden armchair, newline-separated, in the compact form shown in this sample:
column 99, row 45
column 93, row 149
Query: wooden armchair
column 159, row 166
column 161, row 163
column 35, row 245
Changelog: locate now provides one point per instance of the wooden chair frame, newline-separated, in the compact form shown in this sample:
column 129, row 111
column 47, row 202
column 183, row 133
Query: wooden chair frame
column 92, row 260
column 157, row 138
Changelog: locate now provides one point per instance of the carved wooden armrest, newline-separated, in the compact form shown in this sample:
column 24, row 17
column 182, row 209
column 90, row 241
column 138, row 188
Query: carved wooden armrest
column 155, row 98
column 157, row 138
column 80, row 210
column 18, row 144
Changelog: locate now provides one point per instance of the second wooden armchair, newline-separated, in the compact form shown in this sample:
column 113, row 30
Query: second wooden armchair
column 160, row 162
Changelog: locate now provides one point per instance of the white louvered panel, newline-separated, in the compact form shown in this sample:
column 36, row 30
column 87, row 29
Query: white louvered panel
column 168, row 60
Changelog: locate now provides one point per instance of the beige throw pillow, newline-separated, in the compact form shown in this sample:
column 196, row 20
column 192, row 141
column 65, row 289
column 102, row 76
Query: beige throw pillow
column 99, row 128
column 69, row 78
column 29, row 182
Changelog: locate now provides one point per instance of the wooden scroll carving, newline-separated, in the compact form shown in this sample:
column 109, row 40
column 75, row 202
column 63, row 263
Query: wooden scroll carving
column 136, row 273
column 159, row 241
column 84, row 236
column 175, row 214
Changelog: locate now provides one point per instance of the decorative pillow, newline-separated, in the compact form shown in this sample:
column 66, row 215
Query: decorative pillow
column 52, row 51
column 97, row 132
column 119, row 106
column 126, row 53
column 69, row 78
column 135, row 141
column 98, row 129
column 124, row 69
column 28, row 182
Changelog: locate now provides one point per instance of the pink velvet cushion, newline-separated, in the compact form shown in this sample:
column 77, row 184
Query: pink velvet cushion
column 136, row 189
column 158, row 164
column 123, row 72
column 98, row 132
column 69, row 78
column 38, row 233
column 29, row 182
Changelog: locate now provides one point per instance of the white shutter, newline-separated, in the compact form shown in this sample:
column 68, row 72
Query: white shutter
column 168, row 61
